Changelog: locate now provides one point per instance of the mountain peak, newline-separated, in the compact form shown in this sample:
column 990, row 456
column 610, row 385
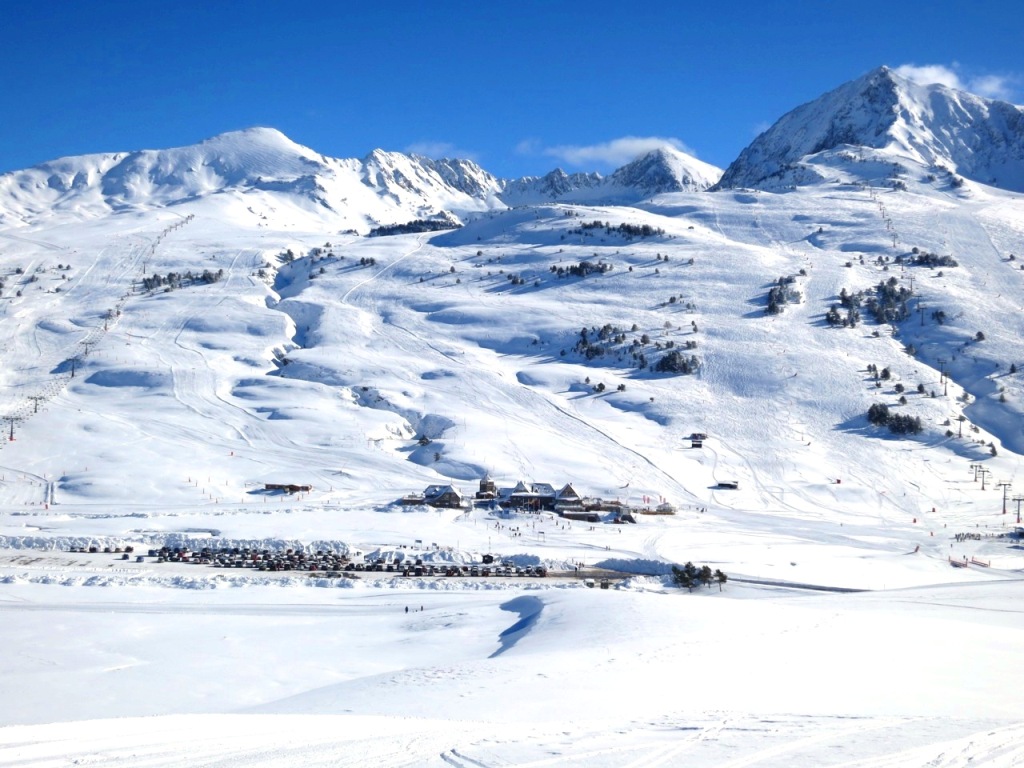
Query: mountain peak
column 666, row 169
column 927, row 125
column 256, row 133
column 257, row 142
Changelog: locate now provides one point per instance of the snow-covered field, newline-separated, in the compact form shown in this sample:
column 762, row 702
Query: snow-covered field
column 370, row 368
column 540, row 675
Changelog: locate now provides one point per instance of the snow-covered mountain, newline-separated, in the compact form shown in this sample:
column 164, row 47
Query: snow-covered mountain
column 882, row 116
column 661, row 170
column 876, row 126
column 260, row 166
column 266, row 170
column 555, row 185
column 665, row 170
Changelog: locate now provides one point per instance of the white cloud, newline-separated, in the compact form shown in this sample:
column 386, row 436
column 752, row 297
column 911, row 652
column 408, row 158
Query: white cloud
column 928, row 74
column 990, row 86
column 608, row 154
column 439, row 149
column 529, row 147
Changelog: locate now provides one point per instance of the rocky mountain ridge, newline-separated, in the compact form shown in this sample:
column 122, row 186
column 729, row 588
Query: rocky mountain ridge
column 383, row 187
column 883, row 116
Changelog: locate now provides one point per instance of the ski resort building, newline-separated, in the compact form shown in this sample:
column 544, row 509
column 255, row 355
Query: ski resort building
column 441, row 496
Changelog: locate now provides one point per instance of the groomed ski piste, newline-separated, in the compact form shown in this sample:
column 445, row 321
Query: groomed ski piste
column 369, row 368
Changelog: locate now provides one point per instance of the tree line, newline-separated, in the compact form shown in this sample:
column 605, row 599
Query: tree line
column 174, row 280
column 417, row 225
column 690, row 576
column 627, row 230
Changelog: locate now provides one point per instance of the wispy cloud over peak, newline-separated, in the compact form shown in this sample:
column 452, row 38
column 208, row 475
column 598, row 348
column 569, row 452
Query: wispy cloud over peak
column 604, row 155
column 440, row 149
column 988, row 85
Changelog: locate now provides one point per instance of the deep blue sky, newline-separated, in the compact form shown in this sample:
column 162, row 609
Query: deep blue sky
column 521, row 87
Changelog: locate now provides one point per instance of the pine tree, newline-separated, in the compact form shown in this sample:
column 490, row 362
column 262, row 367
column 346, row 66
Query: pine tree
column 688, row 576
column 706, row 575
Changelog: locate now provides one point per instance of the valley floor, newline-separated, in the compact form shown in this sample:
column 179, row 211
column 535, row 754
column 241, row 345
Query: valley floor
column 138, row 665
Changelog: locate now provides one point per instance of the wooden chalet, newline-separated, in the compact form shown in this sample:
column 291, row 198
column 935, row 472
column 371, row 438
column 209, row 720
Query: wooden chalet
column 446, row 496
column 441, row 496
column 568, row 496
column 535, row 496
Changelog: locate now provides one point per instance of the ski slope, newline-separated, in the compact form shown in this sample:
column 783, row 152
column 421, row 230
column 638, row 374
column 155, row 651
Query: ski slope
column 372, row 367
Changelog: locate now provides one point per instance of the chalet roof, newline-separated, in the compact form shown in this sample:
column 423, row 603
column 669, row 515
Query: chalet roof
column 543, row 489
column 568, row 492
column 433, row 491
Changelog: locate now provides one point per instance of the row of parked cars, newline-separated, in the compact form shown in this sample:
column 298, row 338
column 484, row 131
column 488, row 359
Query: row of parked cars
column 320, row 562
column 448, row 569
column 256, row 559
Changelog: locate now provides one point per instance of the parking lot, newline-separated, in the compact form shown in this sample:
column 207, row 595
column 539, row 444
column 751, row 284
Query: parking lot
column 263, row 564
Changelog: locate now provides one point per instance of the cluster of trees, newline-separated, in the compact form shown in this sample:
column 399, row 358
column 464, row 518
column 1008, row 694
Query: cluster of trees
column 367, row 261
column 627, row 230
column 690, row 576
column 636, row 230
column 921, row 258
column 675, row 361
column 416, row 225
column 315, row 253
column 887, row 303
column 898, row 423
column 596, row 342
column 173, row 280
column 612, row 340
column 783, row 292
column 835, row 318
column 582, row 269
column 885, row 374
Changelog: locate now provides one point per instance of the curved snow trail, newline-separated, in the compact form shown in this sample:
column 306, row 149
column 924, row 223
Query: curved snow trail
column 43, row 243
column 420, row 240
column 269, row 741
column 196, row 387
column 224, row 740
